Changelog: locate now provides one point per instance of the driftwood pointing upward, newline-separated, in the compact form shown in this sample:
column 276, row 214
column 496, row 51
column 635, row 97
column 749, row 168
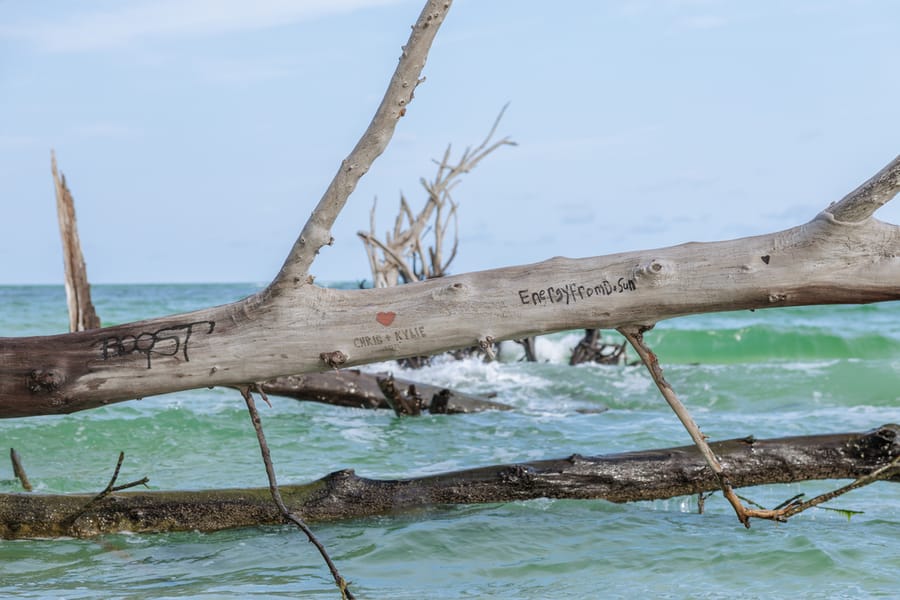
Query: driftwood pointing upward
column 625, row 477
column 78, row 291
column 19, row 470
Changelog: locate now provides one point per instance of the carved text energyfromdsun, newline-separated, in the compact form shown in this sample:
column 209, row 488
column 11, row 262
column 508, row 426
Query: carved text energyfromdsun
column 570, row 293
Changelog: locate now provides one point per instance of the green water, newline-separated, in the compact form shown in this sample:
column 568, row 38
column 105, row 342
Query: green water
column 767, row 373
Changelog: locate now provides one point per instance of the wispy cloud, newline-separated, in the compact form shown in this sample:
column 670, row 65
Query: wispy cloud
column 123, row 24
column 18, row 142
column 576, row 213
column 585, row 145
column 702, row 22
column 104, row 130
column 684, row 14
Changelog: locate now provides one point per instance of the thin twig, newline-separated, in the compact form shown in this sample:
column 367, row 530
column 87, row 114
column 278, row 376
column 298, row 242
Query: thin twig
column 19, row 470
column 635, row 336
column 110, row 488
column 792, row 501
column 276, row 494
column 861, row 482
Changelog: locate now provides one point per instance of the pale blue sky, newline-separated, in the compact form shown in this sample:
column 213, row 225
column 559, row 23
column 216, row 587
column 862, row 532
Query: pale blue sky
column 197, row 135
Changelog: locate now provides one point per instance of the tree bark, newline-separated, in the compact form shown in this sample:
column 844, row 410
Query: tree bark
column 353, row 388
column 625, row 477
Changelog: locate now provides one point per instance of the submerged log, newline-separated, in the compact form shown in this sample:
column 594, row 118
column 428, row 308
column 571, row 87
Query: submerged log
column 624, row 477
column 354, row 388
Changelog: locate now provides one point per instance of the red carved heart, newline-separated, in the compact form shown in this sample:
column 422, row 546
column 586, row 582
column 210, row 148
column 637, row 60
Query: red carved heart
column 385, row 318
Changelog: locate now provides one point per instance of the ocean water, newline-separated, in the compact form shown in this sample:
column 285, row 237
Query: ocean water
column 765, row 373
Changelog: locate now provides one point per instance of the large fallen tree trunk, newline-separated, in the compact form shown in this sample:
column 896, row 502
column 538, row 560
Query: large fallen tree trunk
column 626, row 477
column 294, row 326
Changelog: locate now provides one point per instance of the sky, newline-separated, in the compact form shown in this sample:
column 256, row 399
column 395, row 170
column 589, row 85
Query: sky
column 197, row 135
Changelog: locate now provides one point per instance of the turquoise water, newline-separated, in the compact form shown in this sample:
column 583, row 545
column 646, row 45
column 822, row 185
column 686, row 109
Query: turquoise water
column 765, row 373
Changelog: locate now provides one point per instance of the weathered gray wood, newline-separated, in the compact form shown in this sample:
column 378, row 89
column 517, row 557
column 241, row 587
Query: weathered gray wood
column 861, row 203
column 78, row 291
column 282, row 331
column 625, row 477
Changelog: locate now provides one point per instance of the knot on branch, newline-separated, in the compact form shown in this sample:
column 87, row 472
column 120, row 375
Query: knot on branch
column 44, row 382
column 440, row 402
column 333, row 359
column 654, row 271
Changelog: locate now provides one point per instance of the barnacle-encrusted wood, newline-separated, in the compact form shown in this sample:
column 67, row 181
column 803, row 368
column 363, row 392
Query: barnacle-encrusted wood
column 625, row 477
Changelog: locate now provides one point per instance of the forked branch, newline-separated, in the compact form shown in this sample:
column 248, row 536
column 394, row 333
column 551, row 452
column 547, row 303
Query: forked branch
column 404, row 256
column 110, row 488
column 635, row 336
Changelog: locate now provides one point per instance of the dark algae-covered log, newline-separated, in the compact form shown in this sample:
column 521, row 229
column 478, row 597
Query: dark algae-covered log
column 623, row 477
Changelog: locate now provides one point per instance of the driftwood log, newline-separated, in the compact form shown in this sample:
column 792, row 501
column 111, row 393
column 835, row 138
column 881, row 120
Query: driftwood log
column 625, row 477
column 843, row 255
column 356, row 389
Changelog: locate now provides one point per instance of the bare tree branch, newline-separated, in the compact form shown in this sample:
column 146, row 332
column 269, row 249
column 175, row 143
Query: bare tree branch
column 861, row 203
column 635, row 336
column 406, row 246
column 276, row 494
column 317, row 231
